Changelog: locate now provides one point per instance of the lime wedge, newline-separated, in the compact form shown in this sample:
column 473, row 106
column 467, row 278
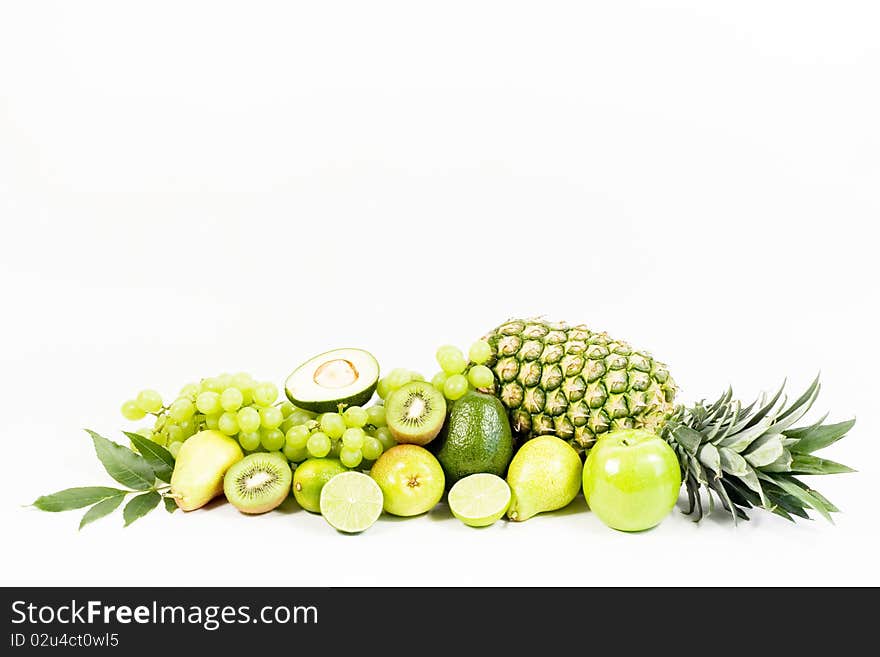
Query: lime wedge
column 351, row 502
column 480, row 499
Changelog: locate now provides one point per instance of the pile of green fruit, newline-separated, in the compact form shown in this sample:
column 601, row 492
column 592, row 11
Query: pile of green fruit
column 536, row 413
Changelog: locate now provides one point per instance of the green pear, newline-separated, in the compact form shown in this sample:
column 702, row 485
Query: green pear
column 544, row 475
column 201, row 464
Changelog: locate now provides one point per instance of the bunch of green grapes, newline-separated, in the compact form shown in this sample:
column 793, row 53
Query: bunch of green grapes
column 356, row 436
column 457, row 375
column 235, row 405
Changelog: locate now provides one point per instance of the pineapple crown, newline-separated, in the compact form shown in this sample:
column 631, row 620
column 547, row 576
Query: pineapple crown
column 750, row 456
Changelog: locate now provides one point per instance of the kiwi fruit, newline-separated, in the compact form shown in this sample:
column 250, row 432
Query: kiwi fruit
column 415, row 413
column 258, row 483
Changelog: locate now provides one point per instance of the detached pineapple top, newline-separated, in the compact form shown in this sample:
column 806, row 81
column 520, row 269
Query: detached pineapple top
column 576, row 384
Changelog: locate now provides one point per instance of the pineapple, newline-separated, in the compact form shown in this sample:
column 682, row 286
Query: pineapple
column 577, row 384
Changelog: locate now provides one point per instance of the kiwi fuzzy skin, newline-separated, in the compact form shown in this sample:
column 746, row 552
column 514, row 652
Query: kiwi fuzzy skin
column 261, row 501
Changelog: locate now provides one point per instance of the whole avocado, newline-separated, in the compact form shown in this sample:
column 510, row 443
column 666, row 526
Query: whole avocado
column 476, row 438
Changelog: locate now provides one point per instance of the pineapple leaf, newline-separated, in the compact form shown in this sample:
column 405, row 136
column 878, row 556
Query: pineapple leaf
column 812, row 439
column 764, row 450
column 813, row 465
column 739, row 441
column 797, row 411
column 710, row 458
column 687, row 438
column 825, row 501
column 720, row 424
column 732, row 463
column 807, row 398
column 782, row 464
column 803, row 496
column 766, row 408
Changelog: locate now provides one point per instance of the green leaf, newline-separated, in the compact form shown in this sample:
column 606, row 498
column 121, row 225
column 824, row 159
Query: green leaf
column 732, row 463
column 813, row 465
column 140, row 506
column 764, row 451
column 126, row 467
column 75, row 498
column 710, row 457
column 170, row 504
column 813, row 439
column 101, row 509
column 687, row 438
column 804, row 497
column 738, row 442
column 158, row 457
column 781, row 464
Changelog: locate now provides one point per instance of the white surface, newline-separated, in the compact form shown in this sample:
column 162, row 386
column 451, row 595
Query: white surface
column 188, row 188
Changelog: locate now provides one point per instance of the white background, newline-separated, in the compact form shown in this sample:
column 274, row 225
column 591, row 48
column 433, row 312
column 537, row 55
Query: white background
column 189, row 188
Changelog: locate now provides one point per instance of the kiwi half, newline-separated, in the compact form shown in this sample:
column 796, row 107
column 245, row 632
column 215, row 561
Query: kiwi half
column 415, row 413
column 258, row 483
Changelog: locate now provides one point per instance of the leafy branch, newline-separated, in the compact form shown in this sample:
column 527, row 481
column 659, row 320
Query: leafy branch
column 145, row 473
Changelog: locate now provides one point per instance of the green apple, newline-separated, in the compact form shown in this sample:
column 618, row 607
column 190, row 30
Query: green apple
column 631, row 479
column 411, row 480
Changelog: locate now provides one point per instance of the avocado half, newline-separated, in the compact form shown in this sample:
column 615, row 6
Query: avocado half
column 341, row 376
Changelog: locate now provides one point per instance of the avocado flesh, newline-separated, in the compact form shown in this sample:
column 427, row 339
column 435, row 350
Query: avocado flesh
column 476, row 438
column 341, row 376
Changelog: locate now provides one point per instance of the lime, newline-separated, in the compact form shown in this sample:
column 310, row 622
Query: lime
column 309, row 478
column 479, row 499
column 351, row 502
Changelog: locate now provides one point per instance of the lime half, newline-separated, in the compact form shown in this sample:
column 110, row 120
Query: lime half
column 351, row 502
column 480, row 499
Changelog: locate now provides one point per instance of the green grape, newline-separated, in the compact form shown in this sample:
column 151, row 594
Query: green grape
column 224, row 381
column 131, row 411
column 383, row 435
column 372, row 448
column 188, row 426
column 480, row 376
column 319, row 445
column 190, row 391
column 333, row 425
column 455, row 387
column 297, row 436
column 439, row 380
column 175, row 433
column 212, row 384
column 335, row 449
column 149, row 401
column 353, row 438
column 416, row 376
column 243, row 381
column 208, row 402
column 212, row 421
column 265, row 393
column 249, row 440
column 271, row 417
column 376, row 416
column 287, row 408
column 398, row 378
column 480, row 352
column 350, row 457
column 382, row 388
column 231, row 399
column 300, row 416
column 249, row 419
column 279, row 453
column 181, row 409
column 146, row 432
column 272, row 439
column 451, row 359
column 296, row 454
column 174, row 448
column 286, row 426
column 228, row 424
column 355, row 417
